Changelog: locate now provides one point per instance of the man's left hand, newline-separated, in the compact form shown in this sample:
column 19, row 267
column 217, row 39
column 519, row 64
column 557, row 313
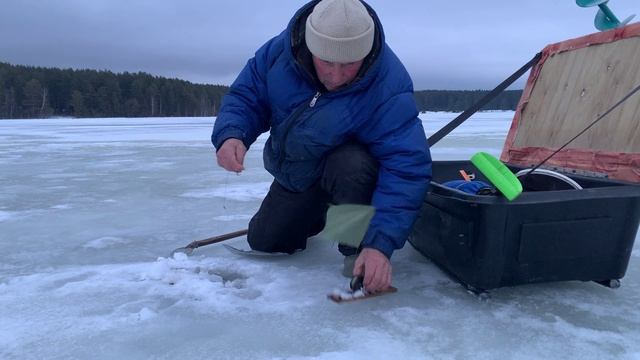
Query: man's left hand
column 376, row 269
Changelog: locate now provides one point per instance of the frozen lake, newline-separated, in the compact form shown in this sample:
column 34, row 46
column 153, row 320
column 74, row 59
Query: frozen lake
column 91, row 208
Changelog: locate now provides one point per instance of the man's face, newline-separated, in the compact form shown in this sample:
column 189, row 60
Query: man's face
column 334, row 75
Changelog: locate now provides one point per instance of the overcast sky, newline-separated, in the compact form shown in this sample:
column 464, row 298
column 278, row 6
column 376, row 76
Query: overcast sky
column 446, row 44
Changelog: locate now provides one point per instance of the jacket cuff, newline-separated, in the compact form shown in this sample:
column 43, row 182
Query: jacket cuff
column 225, row 134
column 380, row 243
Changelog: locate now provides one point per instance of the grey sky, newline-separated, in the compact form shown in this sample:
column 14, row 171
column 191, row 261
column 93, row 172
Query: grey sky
column 446, row 44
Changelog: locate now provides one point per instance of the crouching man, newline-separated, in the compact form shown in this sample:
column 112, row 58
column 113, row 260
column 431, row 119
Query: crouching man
column 343, row 129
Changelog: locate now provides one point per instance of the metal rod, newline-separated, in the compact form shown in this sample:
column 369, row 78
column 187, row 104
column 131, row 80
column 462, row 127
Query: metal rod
column 208, row 241
column 216, row 239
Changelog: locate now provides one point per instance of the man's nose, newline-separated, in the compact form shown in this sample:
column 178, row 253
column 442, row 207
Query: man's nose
column 336, row 72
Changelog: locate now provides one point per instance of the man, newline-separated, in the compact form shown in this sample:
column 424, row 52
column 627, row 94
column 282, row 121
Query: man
column 343, row 129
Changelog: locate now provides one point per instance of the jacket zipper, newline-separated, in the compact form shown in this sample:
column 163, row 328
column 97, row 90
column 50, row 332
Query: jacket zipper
column 313, row 101
column 294, row 119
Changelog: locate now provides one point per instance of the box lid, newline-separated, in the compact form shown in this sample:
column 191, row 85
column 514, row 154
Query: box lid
column 575, row 82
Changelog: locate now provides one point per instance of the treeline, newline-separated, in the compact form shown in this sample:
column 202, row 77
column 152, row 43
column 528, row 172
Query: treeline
column 460, row 100
column 36, row 92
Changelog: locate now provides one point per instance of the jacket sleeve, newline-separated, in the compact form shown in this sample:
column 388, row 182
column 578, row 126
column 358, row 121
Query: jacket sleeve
column 396, row 138
column 245, row 108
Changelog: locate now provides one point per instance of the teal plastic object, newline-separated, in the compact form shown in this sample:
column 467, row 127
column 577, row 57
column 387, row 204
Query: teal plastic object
column 605, row 19
column 604, row 22
column 590, row 3
column 498, row 174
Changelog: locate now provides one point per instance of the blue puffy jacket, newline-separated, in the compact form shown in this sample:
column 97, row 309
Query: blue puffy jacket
column 276, row 92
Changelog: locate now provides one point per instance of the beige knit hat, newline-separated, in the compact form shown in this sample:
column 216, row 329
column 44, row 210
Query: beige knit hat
column 340, row 31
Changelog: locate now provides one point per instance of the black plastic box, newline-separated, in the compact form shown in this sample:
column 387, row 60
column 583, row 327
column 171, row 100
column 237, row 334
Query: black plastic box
column 487, row 242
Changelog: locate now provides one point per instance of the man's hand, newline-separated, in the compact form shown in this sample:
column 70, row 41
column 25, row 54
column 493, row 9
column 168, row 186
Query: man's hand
column 376, row 269
column 231, row 155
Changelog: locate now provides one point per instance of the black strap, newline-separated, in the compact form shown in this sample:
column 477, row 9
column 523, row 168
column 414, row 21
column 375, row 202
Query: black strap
column 433, row 139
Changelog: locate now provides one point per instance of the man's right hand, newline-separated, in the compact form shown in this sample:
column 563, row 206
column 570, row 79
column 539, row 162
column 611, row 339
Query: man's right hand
column 375, row 267
column 231, row 155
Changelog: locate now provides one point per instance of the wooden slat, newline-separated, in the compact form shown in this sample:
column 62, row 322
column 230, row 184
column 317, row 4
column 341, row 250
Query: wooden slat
column 574, row 88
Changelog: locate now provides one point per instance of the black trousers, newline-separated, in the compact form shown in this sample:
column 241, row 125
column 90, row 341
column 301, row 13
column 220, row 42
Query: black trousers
column 286, row 219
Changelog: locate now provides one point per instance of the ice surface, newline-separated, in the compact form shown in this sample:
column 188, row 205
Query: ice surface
column 238, row 192
column 105, row 242
column 90, row 210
